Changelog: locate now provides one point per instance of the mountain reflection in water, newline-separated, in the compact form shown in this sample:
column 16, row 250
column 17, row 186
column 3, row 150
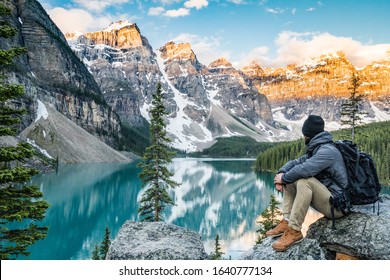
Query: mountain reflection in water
column 223, row 197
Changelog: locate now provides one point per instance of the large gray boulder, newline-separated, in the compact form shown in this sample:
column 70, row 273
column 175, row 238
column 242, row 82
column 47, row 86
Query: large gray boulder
column 362, row 234
column 156, row 241
column 308, row 249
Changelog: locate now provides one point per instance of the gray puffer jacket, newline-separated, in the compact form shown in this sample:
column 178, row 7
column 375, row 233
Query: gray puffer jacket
column 322, row 161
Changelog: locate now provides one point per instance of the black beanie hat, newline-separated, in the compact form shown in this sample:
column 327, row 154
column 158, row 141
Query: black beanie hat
column 312, row 126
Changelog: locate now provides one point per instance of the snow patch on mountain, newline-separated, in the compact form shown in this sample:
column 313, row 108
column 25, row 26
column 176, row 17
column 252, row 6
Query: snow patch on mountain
column 43, row 151
column 212, row 93
column 117, row 25
column 187, row 132
column 380, row 115
column 41, row 111
column 144, row 109
column 295, row 126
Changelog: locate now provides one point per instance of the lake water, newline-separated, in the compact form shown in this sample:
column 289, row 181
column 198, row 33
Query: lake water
column 223, row 197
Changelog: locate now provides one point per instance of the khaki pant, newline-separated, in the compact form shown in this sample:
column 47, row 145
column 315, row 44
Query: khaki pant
column 300, row 195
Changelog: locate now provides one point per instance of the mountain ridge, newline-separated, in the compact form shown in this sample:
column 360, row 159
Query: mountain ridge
column 104, row 81
column 194, row 95
column 266, row 100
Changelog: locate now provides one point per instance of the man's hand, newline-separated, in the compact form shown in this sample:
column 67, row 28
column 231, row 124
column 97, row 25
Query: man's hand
column 279, row 187
column 278, row 178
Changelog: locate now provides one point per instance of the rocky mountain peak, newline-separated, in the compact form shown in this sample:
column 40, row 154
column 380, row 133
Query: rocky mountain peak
column 120, row 35
column 324, row 61
column 181, row 51
column 118, row 25
column 72, row 36
column 253, row 69
column 220, row 63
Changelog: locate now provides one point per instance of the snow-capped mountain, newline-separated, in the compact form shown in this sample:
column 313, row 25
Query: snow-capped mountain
column 108, row 92
column 203, row 102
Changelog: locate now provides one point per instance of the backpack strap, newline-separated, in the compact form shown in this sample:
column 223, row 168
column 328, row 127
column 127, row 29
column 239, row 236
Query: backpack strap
column 332, row 212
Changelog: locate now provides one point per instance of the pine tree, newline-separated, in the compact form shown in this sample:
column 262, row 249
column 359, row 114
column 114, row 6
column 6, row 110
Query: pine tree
column 105, row 244
column 19, row 203
column 100, row 252
column 95, row 253
column 350, row 110
column 155, row 175
column 270, row 217
column 217, row 255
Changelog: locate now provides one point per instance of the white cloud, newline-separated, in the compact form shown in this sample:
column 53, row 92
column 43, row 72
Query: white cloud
column 71, row 20
column 156, row 11
column 182, row 12
column 98, row 5
column 311, row 9
column 207, row 49
column 296, row 47
column 198, row 4
column 238, row 2
column 167, row 2
column 294, row 11
column 46, row 5
column 259, row 55
column 274, row 11
column 81, row 20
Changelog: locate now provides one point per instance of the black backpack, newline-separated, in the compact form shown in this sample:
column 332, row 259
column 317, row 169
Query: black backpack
column 363, row 182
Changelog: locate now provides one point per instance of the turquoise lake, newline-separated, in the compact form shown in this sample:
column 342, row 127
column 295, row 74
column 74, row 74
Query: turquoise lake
column 223, row 197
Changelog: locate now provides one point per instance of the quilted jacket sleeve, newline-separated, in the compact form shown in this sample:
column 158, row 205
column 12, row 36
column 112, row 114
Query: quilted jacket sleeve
column 291, row 164
column 310, row 167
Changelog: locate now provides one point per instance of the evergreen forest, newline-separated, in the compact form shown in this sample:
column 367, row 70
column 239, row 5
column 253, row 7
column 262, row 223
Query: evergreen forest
column 234, row 147
column 373, row 139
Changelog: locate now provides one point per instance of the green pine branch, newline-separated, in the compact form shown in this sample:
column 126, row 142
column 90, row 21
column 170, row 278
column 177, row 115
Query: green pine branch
column 270, row 217
column 20, row 204
column 155, row 176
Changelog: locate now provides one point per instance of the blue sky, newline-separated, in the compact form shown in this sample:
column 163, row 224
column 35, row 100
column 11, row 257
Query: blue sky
column 271, row 32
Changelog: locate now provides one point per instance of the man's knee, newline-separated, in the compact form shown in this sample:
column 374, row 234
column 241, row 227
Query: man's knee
column 307, row 181
column 302, row 182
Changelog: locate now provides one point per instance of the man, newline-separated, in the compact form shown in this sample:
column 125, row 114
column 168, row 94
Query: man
column 314, row 179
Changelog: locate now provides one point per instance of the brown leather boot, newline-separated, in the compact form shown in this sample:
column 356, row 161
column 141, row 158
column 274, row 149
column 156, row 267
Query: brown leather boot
column 278, row 230
column 289, row 238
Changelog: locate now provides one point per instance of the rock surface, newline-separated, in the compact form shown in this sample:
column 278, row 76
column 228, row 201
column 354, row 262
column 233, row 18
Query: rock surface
column 308, row 249
column 362, row 234
column 62, row 138
column 52, row 73
column 38, row 161
column 156, row 241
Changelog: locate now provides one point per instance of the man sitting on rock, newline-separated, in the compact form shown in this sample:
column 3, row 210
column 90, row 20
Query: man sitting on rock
column 310, row 181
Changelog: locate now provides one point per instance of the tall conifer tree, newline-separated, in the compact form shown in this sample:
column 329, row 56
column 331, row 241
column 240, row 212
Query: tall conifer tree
column 100, row 252
column 19, row 203
column 105, row 244
column 217, row 254
column 350, row 109
column 155, row 175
